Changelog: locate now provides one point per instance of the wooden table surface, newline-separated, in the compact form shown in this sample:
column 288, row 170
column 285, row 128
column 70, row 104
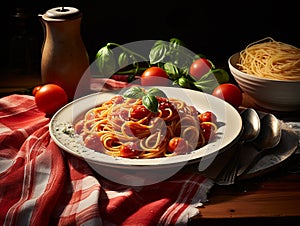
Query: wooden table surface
column 270, row 199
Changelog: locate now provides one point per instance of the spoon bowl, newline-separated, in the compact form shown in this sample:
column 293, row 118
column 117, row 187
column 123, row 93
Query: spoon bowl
column 268, row 138
column 270, row 133
column 251, row 124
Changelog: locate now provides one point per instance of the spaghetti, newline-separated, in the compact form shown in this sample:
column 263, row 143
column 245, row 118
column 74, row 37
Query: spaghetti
column 271, row 59
column 124, row 127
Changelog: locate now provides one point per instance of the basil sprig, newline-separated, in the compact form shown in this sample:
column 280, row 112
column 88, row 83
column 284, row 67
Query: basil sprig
column 172, row 56
column 149, row 99
column 109, row 62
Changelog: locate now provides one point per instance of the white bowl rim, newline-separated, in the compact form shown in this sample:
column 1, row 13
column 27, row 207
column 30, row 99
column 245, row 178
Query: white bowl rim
column 245, row 75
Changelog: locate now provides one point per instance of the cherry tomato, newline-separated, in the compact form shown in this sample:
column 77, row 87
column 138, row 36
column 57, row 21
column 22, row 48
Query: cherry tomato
column 230, row 93
column 129, row 150
column 138, row 112
column 49, row 98
column 154, row 76
column 200, row 67
column 178, row 145
column 164, row 107
column 207, row 116
column 207, row 131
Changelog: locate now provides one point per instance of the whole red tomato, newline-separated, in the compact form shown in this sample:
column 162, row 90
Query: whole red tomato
column 49, row 98
column 154, row 76
column 230, row 93
column 200, row 67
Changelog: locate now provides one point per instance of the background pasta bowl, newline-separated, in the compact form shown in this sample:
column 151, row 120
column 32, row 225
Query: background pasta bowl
column 278, row 95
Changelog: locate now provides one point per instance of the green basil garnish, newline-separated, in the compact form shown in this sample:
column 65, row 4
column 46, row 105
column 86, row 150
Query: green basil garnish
column 148, row 97
column 150, row 102
column 156, row 92
column 134, row 92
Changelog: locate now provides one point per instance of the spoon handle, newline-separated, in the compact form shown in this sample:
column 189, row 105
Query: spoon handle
column 251, row 157
column 248, row 155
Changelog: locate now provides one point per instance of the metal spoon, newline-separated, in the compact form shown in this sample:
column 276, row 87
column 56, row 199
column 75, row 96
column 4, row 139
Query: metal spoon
column 270, row 134
column 251, row 128
column 251, row 123
column 268, row 138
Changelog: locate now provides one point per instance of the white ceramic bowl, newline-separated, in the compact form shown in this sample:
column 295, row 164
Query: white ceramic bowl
column 267, row 93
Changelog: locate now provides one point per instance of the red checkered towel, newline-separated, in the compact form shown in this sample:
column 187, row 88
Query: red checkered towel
column 40, row 184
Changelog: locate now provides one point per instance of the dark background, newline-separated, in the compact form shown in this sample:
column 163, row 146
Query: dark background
column 214, row 28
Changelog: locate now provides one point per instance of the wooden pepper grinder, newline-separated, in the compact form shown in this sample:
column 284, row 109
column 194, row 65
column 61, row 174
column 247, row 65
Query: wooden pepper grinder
column 64, row 56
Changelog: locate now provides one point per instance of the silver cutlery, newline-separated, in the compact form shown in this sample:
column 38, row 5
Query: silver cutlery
column 268, row 138
column 251, row 129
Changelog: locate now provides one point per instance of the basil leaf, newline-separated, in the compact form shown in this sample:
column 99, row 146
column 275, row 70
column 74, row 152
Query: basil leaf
column 175, row 42
column 171, row 70
column 134, row 92
column 156, row 92
column 105, row 61
column 123, row 59
column 150, row 102
column 221, row 75
column 212, row 79
column 181, row 56
column 207, row 83
column 158, row 52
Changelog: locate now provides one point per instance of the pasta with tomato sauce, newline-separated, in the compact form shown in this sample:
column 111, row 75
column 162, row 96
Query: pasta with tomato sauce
column 124, row 127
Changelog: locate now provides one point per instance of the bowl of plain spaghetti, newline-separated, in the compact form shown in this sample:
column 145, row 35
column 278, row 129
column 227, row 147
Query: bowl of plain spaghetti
column 269, row 72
